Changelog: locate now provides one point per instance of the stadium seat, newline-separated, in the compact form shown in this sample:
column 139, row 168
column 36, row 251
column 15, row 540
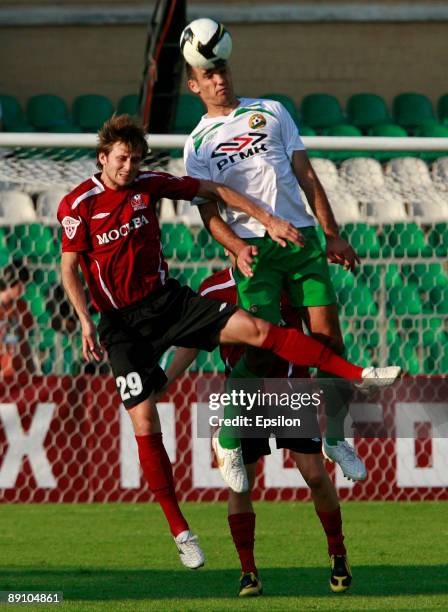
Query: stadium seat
column 12, row 116
column 194, row 276
column 343, row 129
column 403, row 301
column 16, row 207
column 207, row 248
column 49, row 113
column 128, row 105
column 442, row 109
column 177, row 241
column 287, row 102
column 306, row 130
column 403, row 240
column 90, row 111
column 189, row 111
column 434, row 130
column 363, row 238
column 326, row 171
column 34, row 242
column 438, row 239
column 412, row 110
column 388, row 130
column 439, row 174
column 364, row 110
column 321, row 111
column 47, row 205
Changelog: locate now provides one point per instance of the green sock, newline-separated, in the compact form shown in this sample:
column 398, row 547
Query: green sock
column 227, row 437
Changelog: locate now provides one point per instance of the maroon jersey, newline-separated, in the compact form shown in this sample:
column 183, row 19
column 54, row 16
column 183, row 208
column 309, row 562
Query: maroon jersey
column 117, row 234
column 221, row 286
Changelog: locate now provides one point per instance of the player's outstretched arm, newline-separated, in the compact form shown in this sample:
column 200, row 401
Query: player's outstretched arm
column 75, row 292
column 279, row 229
column 223, row 234
column 338, row 249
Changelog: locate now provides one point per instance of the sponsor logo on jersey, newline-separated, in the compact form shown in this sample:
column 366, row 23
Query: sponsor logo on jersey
column 122, row 231
column 101, row 215
column 70, row 226
column 239, row 149
column 257, row 121
column 139, row 202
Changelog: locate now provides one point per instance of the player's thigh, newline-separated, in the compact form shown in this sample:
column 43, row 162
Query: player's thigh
column 260, row 293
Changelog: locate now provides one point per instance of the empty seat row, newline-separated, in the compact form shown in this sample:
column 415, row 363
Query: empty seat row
column 50, row 113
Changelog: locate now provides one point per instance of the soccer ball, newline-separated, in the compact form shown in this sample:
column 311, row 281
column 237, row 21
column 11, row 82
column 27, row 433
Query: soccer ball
column 205, row 43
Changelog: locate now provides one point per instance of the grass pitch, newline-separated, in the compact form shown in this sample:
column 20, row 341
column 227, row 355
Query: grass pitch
column 121, row 557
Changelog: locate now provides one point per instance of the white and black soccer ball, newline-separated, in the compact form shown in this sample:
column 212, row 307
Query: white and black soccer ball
column 205, row 43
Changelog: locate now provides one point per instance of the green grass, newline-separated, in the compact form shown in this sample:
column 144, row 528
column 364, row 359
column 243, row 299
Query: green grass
column 121, row 557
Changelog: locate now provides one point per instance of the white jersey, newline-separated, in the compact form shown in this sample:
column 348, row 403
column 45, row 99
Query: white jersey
column 250, row 150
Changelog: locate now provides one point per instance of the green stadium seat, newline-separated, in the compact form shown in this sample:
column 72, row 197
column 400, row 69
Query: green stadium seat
column 403, row 301
column 189, row 111
column 305, row 130
column 177, row 241
column 435, row 130
column 128, row 105
column 442, row 109
column 208, row 248
column 438, row 239
column 426, row 276
column 343, row 129
column 49, row 113
column 12, row 116
column 363, row 238
column 321, row 111
column 411, row 110
column 35, row 242
column 287, row 102
column 209, row 362
column 90, row 111
column 365, row 110
column 357, row 301
column 403, row 240
column 195, row 276
column 438, row 300
column 388, row 130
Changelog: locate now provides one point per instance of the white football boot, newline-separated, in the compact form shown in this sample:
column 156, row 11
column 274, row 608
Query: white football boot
column 231, row 465
column 374, row 379
column 345, row 456
column 190, row 553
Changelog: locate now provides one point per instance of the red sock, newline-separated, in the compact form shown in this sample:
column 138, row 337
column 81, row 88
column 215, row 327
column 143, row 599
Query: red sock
column 295, row 346
column 158, row 472
column 332, row 524
column 242, row 528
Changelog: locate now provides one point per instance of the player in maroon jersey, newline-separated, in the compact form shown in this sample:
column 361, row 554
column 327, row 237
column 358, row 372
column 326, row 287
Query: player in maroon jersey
column 111, row 231
column 306, row 452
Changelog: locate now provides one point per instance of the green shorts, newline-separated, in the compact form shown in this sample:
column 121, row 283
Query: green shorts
column 301, row 272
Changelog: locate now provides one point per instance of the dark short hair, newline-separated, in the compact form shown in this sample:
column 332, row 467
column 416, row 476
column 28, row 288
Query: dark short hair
column 13, row 274
column 121, row 128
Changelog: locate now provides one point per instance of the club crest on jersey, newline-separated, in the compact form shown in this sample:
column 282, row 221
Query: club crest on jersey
column 70, row 226
column 257, row 121
column 239, row 149
column 138, row 201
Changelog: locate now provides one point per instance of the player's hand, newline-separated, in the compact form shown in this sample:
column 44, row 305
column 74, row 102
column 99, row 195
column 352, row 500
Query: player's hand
column 280, row 231
column 244, row 259
column 340, row 252
column 90, row 345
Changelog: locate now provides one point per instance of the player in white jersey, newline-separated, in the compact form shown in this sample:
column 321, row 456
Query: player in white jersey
column 254, row 146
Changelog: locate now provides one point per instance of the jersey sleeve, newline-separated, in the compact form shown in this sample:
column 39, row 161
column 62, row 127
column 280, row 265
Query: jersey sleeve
column 196, row 168
column 75, row 234
column 176, row 187
column 290, row 133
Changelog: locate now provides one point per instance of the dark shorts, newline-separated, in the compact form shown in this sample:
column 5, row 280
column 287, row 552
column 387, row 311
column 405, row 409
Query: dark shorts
column 254, row 448
column 136, row 337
